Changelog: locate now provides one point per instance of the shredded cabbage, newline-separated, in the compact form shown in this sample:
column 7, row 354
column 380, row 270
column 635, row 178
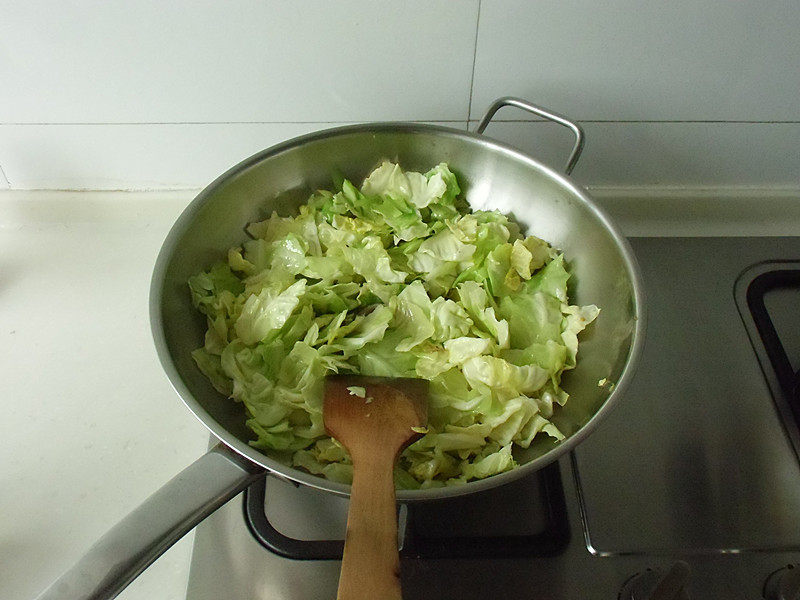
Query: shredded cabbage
column 398, row 278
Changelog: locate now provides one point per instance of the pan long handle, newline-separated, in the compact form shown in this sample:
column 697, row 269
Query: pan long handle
column 545, row 113
column 129, row 547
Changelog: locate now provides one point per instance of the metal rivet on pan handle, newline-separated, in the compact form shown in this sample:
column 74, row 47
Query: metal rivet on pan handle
column 544, row 113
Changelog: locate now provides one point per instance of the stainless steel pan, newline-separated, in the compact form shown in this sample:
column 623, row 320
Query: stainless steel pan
column 280, row 178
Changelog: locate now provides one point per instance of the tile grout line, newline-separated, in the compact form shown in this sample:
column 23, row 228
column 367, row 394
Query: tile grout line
column 499, row 119
column 340, row 122
column 474, row 60
column 653, row 121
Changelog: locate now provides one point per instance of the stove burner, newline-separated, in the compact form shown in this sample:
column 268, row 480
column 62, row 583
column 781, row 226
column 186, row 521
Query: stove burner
column 444, row 528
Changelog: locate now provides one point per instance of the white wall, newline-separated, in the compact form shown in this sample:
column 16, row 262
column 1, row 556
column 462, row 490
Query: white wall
column 155, row 94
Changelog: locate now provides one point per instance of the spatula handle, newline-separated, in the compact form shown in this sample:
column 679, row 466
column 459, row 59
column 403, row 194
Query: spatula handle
column 371, row 565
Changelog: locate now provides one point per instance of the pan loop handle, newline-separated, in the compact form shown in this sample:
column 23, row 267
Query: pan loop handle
column 577, row 148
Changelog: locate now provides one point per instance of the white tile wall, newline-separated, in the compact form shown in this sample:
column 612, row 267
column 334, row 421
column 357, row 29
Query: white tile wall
column 643, row 60
column 110, row 94
column 131, row 156
column 666, row 154
column 135, row 156
column 114, row 61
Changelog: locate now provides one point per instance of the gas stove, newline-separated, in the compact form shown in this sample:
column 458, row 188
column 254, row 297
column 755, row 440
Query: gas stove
column 689, row 489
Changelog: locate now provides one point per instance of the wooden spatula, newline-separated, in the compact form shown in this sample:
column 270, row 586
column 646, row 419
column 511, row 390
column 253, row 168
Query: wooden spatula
column 374, row 429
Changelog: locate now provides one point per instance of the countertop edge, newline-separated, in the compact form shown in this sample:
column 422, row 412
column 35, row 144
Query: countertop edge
column 660, row 211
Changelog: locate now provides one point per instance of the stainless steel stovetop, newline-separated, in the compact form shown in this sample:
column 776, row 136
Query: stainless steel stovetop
column 696, row 473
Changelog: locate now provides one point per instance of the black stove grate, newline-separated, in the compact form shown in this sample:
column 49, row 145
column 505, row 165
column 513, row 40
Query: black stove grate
column 419, row 542
column 756, row 289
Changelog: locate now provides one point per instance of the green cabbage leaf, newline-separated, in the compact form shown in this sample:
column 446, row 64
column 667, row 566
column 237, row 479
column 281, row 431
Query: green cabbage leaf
column 397, row 278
